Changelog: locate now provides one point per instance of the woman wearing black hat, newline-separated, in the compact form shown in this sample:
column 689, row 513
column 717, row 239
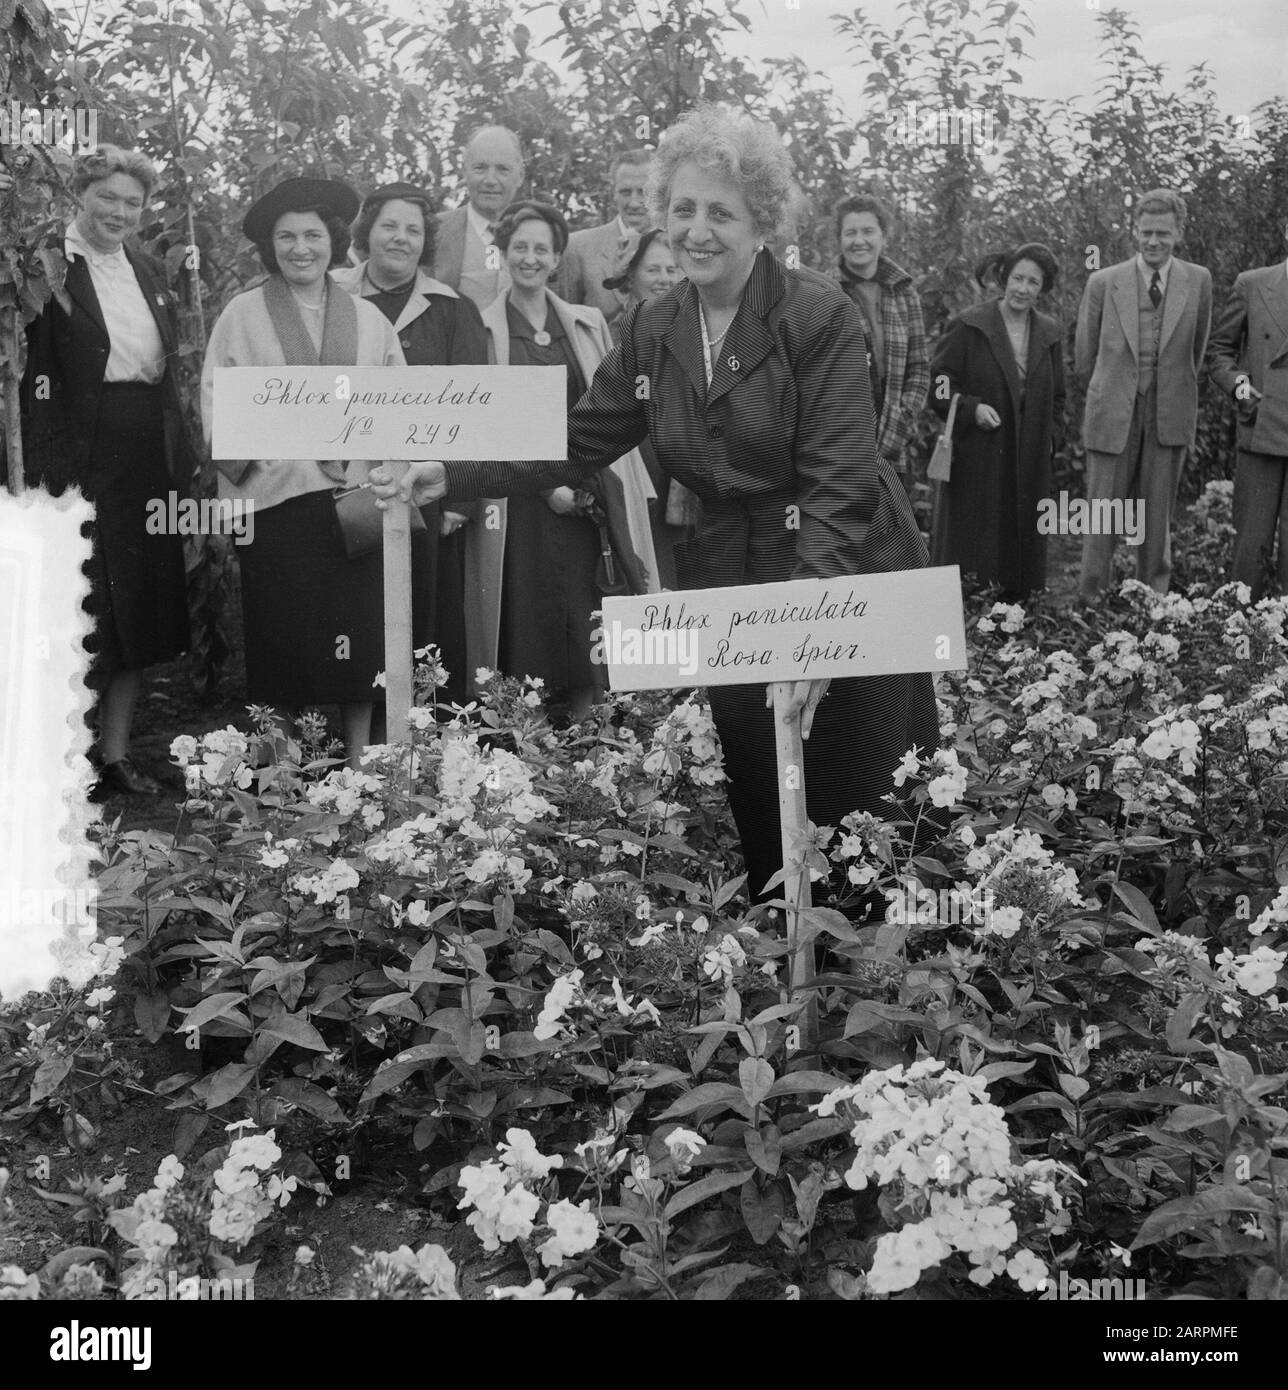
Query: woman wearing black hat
column 100, row 410
column 436, row 327
column 313, row 618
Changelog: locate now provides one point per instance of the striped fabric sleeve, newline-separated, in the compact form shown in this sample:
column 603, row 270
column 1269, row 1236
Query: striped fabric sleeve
column 835, row 449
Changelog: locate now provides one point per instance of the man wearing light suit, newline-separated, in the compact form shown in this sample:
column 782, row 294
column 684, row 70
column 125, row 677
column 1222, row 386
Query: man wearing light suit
column 464, row 256
column 1248, row 358
column 595, row 254
column 1142, row 331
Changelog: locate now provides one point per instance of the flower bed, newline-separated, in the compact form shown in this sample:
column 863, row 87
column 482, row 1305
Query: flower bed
column 1049, row 1045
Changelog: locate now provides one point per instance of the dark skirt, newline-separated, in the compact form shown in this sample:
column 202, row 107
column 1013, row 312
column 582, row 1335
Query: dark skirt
column 548, row 593
column 138, row 593
column 862, row 727
column 313, row 619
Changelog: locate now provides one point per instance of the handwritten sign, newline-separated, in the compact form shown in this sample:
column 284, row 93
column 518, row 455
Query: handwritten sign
column 802, row 629
column 462, row 412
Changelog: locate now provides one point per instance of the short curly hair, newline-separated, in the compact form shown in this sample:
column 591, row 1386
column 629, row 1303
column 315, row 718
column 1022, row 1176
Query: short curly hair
column 337, row 229
column 734, row 146
column 526, row 210
column 370, row 215
column 105, row 160
column 864, row 202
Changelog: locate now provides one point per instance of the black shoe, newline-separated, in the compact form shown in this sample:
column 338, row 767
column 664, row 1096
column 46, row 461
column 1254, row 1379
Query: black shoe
column 123, row 776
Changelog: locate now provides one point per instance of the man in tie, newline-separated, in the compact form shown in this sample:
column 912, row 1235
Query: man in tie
column 1142, row 331
column 597, row 253
column 464, row 256
column 1248, row 358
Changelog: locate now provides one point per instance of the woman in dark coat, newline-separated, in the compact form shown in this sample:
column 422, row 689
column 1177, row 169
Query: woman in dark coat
column 1006, row 361
column 101, row 412
column 436, row 327
column 758, row 401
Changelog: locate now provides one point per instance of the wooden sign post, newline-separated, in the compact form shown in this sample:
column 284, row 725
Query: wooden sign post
column 391, row 415
column 803, row 629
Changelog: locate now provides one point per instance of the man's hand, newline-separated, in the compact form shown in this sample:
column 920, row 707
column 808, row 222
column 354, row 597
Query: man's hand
column 804, row 698
column 986, row 417
column 425, row 481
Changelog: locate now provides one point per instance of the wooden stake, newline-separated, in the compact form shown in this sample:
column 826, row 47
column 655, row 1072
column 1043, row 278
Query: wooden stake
column 794, row 818
column 397, row 563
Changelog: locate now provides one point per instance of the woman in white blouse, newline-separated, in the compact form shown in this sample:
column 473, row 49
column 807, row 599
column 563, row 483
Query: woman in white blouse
column 101, row 413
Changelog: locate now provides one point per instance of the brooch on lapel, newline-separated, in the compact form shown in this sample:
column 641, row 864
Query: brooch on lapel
column 734, row 364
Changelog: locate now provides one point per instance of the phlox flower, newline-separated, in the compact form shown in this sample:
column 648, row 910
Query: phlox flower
column 533, row 1292
column 520, row 1156
column 684, row 1145
column 573, row 1230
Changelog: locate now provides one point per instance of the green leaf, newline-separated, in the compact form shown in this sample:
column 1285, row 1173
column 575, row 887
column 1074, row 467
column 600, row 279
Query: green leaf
column 1139, row 905
column 762, row 1211
column 710, row 1093
column 213, row 1006
column 757, row 1078
column 723, row 1282
column 699, row 1191
column 765, row 1147
column 530, row 1098
column 1192, row 1117
column 152, row 1013
column 294, row 1028
column 1185, row 1213
column 1181, row 1024
column 309, row 1097
column 49, row 1076
column 797, row 1083
column 1075, row 1087
column 76, row 1255
column 228, row 1083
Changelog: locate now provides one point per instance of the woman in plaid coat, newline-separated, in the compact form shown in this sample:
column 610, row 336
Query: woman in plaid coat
column 751, row 382
column 899, row 357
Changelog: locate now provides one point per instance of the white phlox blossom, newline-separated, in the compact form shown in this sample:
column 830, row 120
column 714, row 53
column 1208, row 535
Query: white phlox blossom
column 934, row 1138
column 563, row 994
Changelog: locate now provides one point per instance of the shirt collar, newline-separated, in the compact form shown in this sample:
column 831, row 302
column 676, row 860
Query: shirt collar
column 74, row 244
column 623, row 230
column 1164, row 271
column 478, row 222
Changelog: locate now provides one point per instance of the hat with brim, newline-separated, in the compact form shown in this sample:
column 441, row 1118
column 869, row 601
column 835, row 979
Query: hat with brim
column 296, row 195
column 407, row 191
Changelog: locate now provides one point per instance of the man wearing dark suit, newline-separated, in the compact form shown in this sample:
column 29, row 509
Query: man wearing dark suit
column 464, row 256
column 1248, row 358
column 599, row 252
column 1142, row 331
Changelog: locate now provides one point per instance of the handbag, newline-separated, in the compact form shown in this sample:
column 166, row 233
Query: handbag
column 362, row 528
column 940, row 467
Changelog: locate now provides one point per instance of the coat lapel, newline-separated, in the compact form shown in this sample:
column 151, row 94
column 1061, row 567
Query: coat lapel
column 1274, row 294
column 1174, row 301
column 1000, row 343
column 1044, row 331
column 749, row 341
column 683, row 339
column 1125, row 301
column 79, row 284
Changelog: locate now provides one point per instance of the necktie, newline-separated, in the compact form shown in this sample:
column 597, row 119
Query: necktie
column 1155, row 292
